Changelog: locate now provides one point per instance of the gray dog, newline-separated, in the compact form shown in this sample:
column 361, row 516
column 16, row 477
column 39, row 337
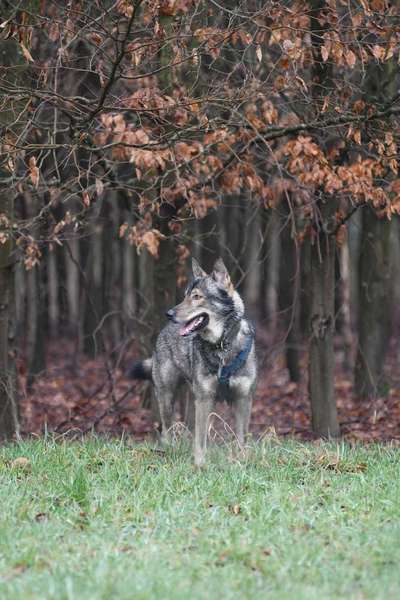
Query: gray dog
column 209, row 345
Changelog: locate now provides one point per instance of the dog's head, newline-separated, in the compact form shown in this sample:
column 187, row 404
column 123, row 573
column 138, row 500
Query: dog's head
column 208, row 301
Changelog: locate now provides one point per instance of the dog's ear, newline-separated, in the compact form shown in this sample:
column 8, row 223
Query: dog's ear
column 197, row 270
column 221, row 276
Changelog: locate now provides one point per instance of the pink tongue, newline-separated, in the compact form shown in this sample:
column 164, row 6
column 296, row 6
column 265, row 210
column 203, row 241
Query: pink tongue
column 190, row 326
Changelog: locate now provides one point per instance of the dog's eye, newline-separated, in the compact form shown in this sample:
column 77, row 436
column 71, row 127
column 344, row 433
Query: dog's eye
column 196, row 297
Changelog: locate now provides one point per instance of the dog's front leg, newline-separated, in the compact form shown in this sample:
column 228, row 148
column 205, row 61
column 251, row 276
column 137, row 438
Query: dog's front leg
column 204, row 394
column 242, row 389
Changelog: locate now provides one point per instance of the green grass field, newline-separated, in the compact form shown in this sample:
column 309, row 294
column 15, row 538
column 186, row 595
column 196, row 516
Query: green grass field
column 107, row 519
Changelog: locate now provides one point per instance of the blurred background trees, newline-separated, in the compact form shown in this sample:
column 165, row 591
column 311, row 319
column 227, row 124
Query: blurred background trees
column 135, row 133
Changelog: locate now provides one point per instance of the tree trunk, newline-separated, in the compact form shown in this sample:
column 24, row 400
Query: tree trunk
column 322, row 266
column 164, row 275
column 209, row 242
column 36, row 361
column 289, row 296
column 273, row 262
column 374, row 302
column 345, row 305
column 265, row 219
column 375, row 283
column 322, row 323
column 8, row 402
column 9, row 417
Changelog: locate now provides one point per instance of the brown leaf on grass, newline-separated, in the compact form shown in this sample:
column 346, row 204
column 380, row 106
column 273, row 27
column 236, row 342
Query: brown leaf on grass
column 21, row 463
column 41, row 517
column 16, row 570
column 235, row 509
column 334, row 462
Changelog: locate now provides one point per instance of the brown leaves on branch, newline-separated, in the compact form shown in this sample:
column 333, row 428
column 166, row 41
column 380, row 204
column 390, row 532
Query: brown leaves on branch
column 142, row 236
column 176, row 105
column 31, row 252
column 34, row 171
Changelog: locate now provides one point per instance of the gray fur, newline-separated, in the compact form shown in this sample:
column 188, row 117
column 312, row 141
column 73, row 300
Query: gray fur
column 197, row 358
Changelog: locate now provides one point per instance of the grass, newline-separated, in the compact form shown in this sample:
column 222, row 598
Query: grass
column 109, row 520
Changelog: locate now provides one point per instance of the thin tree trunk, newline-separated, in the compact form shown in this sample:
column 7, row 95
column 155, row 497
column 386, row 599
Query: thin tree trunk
column 209, row 242
column 288, row 297
column 322, row 323
column 322, row 266
column 52, row 289
column 345, row 302
column 36, row 309
column 72, row 258
column 305, row 288
column 164, row 277
column 375, row 269
column 374, row 300
column 273, row 273
column 8, row 401
column 128, row 267
column 36, row 326
column 265, row 219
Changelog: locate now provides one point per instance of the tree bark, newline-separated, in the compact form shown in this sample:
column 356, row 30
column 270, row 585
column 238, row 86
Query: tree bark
column 8, row 402
column 374, row 304
column 272, row 285
column 288, row 296
column 321, row 369
column 345, row 305
column 209, row 242
column 375, row 268
column 36, row 331
column 164, row 274
column 322, row 323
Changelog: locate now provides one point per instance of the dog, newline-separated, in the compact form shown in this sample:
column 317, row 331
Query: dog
column 208, row 344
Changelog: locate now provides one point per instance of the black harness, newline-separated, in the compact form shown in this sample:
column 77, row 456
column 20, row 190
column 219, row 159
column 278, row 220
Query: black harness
column 225, row 372
column 211, row 355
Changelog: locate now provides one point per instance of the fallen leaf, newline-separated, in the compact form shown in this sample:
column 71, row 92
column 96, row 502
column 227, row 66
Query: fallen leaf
column 236, row 509
column 21, row 463
column 40, row 517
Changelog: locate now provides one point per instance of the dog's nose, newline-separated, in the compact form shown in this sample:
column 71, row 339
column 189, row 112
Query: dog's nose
column 170, row 314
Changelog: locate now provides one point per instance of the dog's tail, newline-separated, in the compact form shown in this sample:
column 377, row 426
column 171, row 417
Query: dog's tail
column 142, row 369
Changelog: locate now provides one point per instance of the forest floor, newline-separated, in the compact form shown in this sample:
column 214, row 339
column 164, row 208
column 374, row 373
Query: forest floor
column 76, row 395
column 98, row 519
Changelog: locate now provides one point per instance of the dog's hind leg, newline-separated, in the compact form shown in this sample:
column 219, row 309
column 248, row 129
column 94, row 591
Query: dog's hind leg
column 165, row 400
column 165, row 396
column 189, row 412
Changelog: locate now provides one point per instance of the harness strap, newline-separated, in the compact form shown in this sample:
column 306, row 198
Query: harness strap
column 227, row 371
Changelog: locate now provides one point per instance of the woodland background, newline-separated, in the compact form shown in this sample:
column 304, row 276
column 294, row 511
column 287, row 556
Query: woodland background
column 134, row 134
